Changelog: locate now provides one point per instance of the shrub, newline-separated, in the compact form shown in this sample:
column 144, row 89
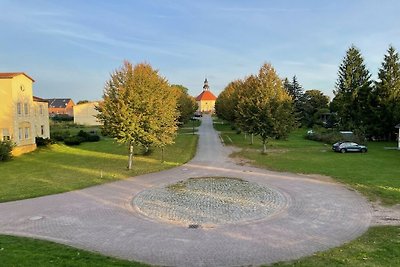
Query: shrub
column 5, row 150
column 60, row 135
column 73, row 140
column 40, row 141
column 93, row 138
column 83, row 134
column 328, row 137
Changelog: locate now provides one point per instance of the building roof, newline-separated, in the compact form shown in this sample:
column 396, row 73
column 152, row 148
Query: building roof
column 58, row 102
column 38, row 99
column 206, row 95
column 9, row 75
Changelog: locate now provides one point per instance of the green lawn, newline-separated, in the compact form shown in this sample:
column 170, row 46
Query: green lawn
column 27, row 252
column 376, row 173
column 61, row 168
column 379, row 246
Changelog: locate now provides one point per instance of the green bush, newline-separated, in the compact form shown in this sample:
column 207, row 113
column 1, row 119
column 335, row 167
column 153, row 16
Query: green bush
column 59, row 135
column 73, row 140
column 93, row 138
column 5, row 150
column 40, row 141
column 329, row 137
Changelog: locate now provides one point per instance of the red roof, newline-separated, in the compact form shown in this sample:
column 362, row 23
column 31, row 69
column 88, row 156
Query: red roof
column 7, row 75
column 206, row 95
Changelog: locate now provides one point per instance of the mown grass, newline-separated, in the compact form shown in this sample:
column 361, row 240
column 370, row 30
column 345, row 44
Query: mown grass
column 60, row 168
column 376, row 174
column 379, row 246
column 27, row 252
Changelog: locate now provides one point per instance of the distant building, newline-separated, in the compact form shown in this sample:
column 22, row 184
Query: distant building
column 206, row 100
column 22, row 116
column 85, row 113
column 61, row 106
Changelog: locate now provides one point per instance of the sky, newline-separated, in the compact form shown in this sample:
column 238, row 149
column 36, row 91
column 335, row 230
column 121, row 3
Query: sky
column 71, row 47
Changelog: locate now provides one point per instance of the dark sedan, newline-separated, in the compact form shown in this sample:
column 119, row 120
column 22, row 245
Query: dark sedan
column 344, row 147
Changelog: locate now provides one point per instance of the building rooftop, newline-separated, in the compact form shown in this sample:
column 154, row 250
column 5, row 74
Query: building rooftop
column 9, row 75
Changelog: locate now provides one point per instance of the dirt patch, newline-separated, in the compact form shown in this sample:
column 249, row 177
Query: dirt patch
column 382, row 215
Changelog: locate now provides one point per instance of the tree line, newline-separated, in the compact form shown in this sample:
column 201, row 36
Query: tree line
column 369, row 108
column 140, row 107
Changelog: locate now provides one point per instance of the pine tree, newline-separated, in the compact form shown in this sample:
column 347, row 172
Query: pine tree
column 353, row 88
column 387, row 93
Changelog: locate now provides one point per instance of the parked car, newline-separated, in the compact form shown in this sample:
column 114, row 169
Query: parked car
column 344, row 147
column 198, row 114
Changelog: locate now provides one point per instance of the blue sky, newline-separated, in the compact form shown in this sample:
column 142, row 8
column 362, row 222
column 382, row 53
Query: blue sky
column 71, row 47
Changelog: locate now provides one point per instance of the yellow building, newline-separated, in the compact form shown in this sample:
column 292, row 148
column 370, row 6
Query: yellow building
column 21, row 117
column 85, row 113
column 206, row 100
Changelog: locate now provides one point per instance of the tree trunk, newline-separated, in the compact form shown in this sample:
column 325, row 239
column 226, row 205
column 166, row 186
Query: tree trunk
column 162, row 154
column 130, row 156
column 245, row 136
column 252, row 137
column 264, row 147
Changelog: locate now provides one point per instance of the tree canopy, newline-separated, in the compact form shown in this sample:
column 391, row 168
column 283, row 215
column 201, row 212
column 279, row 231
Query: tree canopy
column 138, row 107
column 264, row 107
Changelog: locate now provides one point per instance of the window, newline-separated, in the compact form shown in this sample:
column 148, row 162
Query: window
column 26, row 132
column 20, row 133
column 6, row 135
column 41, row 110
column 19, row 108
column 42, row 129
column 26, row 108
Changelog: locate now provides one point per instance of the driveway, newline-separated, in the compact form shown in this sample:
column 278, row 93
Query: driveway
column 315, row 215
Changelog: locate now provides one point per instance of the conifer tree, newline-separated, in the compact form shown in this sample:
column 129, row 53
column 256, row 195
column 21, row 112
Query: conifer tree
column 387, row 94
column 353, row 88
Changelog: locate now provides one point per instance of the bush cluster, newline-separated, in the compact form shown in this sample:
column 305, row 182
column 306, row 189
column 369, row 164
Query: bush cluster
column 5, row 150
column 81, row 137
column 40, row 141
column 330, row 136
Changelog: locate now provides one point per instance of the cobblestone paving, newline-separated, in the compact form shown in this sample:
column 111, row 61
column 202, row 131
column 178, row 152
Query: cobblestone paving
column 209, row 201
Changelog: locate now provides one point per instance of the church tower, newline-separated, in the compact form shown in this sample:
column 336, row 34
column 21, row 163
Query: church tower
column 206, row 100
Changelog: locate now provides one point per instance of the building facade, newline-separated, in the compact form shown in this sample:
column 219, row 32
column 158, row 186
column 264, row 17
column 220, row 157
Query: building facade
column 206, row 100
column 86, row 113
column 61, row 106
column 21, row 117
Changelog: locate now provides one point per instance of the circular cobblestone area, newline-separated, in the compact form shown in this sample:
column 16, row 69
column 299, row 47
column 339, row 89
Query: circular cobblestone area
column 210, row 201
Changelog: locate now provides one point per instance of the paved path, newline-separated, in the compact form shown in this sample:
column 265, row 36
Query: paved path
column 318, row 215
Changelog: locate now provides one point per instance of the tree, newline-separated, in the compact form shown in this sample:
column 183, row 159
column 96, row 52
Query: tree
column 387, row 95
column 186, row 104
column 226, row 103
column 138, row 108
column 295, row 90
column 352, row 94
column 264, row 106
column 82, row 102
column 314, row 104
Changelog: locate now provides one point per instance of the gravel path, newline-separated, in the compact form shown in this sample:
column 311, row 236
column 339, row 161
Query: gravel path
column 313, row 215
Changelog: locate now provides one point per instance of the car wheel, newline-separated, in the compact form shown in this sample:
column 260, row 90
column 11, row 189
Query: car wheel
column 342, row 150
column 363, row 150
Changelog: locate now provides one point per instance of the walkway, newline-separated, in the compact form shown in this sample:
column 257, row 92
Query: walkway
column 317, row 215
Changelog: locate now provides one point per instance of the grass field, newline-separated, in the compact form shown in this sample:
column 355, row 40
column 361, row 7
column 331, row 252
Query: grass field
column 379, row 246
column 61, row 168
column 27, row 252
column 376, row 174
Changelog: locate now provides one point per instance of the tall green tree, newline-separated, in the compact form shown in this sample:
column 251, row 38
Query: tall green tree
column 186, row 104
column 226, row 103
column 138, row 108
column 314, row 104
column 387, row 95
column 295, row 90
column 352, row 94
column 264, row 106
